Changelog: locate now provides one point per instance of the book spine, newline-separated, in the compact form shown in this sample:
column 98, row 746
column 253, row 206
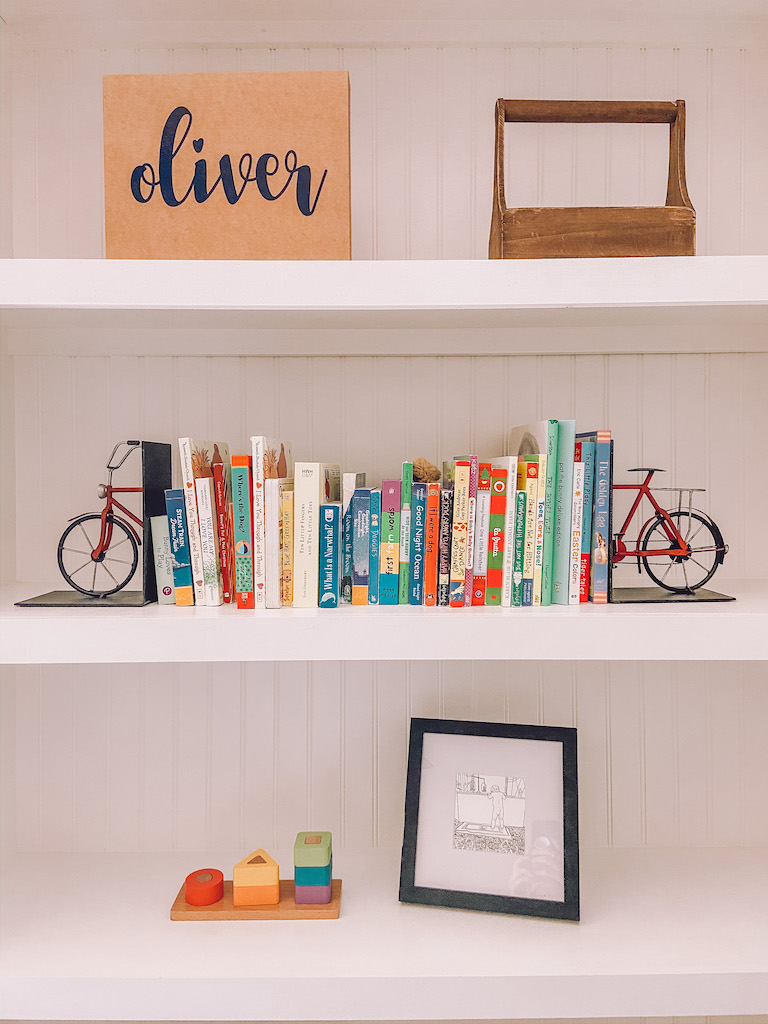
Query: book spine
column 482, row 523
column 576, row 527
column 242, row 538
column 258, row 445
column 444, row 547
column 459, row 529
column 564, row 496
column 193, row 526
column 588, row 458
column 518, row 548
column 161, row 550
column 361, row 544
column 509, row 463
column 529, row 471
column 431, row 544
column 209, row 540
column 469, row 571
column 496, row 536
column 418, row 540
column 183, row 589
column 286, row 574
column 389, row 562
column 538, row 562
column 601, row 527
column 406, row 486
column 222, row 528
column 374, row 548
column 347, row 542
column 273, row 537
column 328, row 596
column 308, row 487
column 550, row 497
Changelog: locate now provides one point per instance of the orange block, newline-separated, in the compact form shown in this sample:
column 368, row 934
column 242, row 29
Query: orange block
column 255, row 895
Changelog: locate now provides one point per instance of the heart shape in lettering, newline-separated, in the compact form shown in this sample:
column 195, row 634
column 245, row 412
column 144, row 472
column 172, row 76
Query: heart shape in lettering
column 197, row 145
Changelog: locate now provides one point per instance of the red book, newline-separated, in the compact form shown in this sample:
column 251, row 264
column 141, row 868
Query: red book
column 431, row 544
column 222, row 527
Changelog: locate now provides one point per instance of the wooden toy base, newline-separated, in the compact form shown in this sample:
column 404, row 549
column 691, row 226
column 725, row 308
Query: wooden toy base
column 285, row 910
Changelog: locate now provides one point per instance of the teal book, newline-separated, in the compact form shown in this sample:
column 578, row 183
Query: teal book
column 389, row 551
column 328, row 593
column 375, row 548
column 361, row 543
column 566, row 440
column 406, row 486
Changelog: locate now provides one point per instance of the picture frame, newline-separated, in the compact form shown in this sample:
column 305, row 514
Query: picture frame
column 491, row 818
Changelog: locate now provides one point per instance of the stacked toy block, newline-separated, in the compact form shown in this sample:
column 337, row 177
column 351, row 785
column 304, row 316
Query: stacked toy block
column 312, row 867
column 256, row 881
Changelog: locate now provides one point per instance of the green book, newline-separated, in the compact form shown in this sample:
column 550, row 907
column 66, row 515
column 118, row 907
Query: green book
column 406, row 485
column 549, row 511
column 561, row 561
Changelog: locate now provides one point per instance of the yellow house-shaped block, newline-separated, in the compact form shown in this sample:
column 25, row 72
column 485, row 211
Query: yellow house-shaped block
column 256, row 880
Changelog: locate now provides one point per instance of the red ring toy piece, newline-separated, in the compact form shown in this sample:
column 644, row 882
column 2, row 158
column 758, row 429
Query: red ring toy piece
column 204, row 887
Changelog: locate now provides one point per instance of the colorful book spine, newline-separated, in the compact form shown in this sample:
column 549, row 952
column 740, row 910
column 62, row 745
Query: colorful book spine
column 389, row 562
column 271, row 458
column 274, row 489
column 361, row 544
column 374, row 550
column 497, row 513
column 600, row 590
column 518, row 548
column 471, row 512
column 508, row 462
column 480, row 535
column 528, row 478
column 406, row 486
column 308, row 494
column 562, row 521
column 577, row 512
column 286, row 575
column 242, row 536
column 431, row 544
column 222, row 488
column 588, row 458
column 445, row 536
column 418, row 541
column 161, row 551
column 550, row 498
column 330, row 533
column 459, row 530
column 186, row 448
column 183, row 588
column 538, row 562
column 349, row 483
column 209, row 540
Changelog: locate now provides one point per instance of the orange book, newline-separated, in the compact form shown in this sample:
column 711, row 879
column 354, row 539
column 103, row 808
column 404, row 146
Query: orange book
column 431, row 544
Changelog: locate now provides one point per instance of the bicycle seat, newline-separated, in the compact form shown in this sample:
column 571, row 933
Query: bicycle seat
column 645, row 469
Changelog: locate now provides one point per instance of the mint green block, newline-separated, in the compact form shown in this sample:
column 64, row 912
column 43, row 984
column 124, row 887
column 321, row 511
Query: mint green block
column 312, row 850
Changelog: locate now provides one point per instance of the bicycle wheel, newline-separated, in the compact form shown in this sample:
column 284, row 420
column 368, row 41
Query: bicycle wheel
column 683, row 573
column 97, row 577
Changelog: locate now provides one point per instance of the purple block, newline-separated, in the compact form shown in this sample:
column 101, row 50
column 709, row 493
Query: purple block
column 313, row 893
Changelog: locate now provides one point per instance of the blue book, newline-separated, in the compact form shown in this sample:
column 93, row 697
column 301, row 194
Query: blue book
column 375, row 547
column 588, row 458
column 181, row 559
column 600, row 586
column 361, row 543
column 566, row 439
column 328, row 590
column 418, row 534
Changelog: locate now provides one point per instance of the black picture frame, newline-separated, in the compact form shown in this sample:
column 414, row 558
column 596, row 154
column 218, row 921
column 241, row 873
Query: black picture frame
column 441, row 856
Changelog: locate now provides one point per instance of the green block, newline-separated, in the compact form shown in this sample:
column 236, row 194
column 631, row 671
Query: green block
column 312, row 850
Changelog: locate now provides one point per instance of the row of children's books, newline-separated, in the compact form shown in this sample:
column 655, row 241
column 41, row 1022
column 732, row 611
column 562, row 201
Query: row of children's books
column 259, row 531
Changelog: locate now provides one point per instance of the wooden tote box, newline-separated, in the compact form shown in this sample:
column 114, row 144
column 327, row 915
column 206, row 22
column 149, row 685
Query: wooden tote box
column 668, row 230
column 227, row 166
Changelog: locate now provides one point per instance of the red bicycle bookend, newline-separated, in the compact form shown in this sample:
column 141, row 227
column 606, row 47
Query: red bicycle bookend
column 680, row 547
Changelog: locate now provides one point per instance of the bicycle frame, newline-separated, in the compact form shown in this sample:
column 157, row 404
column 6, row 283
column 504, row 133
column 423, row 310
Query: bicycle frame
column 678, row 545
column 108, row 492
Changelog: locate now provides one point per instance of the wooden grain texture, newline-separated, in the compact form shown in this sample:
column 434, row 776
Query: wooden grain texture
column 285, row 910
column 589, row 231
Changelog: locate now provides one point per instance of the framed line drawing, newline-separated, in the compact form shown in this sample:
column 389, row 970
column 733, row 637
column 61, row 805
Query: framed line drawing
column 491, row 818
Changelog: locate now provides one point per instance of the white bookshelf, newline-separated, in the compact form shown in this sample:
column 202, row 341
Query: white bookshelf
column 138, row 744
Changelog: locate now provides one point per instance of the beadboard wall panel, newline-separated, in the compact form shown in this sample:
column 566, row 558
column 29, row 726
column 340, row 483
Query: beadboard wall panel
column 422, row 137
column 700, row 417
column 215, row 757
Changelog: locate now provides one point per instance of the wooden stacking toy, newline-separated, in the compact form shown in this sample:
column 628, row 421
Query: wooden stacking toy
column 312, row 867
column 256, row 881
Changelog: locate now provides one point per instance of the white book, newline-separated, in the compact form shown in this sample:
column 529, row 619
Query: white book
column 161, row 548
column 480, row 538
column 577, row 512
column 209, row 541
column 508, row 462
column 538, row 560
column 186, row 450
column 308, row 496
column 272, row 458
column 273, row 531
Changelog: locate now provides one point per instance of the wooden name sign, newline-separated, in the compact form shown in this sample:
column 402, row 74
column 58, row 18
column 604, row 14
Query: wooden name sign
column 227, row 166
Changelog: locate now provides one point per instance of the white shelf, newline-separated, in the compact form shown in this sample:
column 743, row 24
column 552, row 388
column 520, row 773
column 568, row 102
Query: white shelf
column 663, row 933
column 428, row 306
column 716, row 631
